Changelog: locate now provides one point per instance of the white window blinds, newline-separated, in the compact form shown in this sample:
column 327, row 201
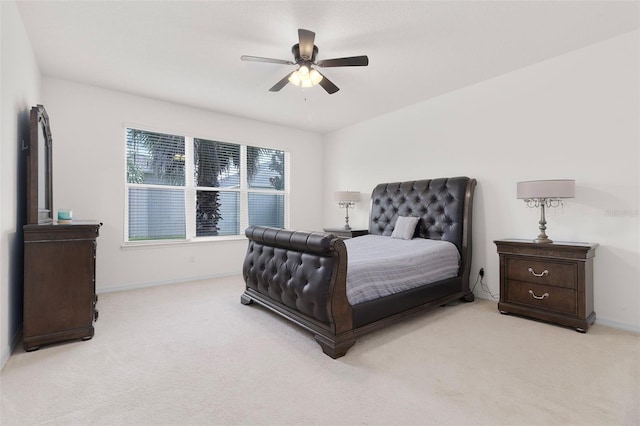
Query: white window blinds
column 232, row 186
column 156, row 176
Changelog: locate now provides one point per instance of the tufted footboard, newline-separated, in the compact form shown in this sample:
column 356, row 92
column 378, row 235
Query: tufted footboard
column 301, row 276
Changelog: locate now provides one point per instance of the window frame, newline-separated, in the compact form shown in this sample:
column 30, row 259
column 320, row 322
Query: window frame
column 190, row 189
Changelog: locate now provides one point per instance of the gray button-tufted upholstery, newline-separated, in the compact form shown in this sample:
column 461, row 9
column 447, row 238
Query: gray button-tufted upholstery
column 439, row 203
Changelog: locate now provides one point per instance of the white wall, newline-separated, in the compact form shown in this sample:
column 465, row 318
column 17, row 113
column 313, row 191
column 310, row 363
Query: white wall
column 20, row 90
column 87, row 124
column 574, row 116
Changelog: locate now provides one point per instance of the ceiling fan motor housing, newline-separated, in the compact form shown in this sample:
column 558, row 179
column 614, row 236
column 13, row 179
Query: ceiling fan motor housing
column 296, row 54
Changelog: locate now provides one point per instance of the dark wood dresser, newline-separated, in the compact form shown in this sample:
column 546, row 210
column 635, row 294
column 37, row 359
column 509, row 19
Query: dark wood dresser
column 59, row 282
column 346, row 233
column 550, row 282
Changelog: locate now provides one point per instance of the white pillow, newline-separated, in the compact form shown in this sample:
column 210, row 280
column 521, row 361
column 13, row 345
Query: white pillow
column 405, row 227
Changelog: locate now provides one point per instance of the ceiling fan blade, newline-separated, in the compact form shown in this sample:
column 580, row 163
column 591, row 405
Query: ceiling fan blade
column 261, row 59
column 353, row 61
column 328, row 85
column 279, row 85
column 306, row 39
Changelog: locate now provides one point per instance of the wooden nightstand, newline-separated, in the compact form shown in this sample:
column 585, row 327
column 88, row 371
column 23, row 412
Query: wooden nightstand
column 346, row 233
column 550, row 282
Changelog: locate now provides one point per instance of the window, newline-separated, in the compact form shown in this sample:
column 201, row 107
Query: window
column 179, row 187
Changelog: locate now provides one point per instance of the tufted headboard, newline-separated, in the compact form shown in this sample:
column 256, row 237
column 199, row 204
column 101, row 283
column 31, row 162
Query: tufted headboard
column 443, row 205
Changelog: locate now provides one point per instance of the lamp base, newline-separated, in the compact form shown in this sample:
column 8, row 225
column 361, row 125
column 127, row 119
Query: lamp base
column 542, row 240
column 542, row 236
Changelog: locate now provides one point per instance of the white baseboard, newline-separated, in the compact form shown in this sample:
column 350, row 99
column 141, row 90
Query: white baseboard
column 602, row 321
column 615, row 324
column 159, row 283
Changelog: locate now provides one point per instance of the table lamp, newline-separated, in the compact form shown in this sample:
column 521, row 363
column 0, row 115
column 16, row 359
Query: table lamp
column 545, row 193
column 347, row 200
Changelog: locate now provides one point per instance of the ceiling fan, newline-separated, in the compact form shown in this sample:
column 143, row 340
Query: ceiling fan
column 304, row 54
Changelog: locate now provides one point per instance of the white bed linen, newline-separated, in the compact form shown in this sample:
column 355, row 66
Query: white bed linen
column 379, row 266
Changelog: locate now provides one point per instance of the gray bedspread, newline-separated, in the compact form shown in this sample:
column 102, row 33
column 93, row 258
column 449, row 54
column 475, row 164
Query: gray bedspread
column 379, row 266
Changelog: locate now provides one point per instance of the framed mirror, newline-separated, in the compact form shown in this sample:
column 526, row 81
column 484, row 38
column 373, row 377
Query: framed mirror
column 39, row 168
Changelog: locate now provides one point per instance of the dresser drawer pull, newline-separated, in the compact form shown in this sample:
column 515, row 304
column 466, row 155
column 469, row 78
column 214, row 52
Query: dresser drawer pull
column 538, row 297
column 542, row 274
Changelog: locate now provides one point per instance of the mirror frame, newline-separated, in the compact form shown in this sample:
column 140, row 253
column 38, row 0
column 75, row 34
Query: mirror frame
column 39, row 122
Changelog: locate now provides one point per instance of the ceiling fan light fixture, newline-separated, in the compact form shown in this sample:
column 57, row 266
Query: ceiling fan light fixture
column 303, row 77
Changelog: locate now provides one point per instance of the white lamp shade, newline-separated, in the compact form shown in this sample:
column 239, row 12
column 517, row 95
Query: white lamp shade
column 558, row 188
column 352, row 196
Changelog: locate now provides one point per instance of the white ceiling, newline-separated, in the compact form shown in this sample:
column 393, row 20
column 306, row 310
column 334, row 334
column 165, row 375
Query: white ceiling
column 188, row 52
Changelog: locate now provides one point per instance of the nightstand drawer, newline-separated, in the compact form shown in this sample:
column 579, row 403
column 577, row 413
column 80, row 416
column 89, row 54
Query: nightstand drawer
column 542, row 296
column 543, row 272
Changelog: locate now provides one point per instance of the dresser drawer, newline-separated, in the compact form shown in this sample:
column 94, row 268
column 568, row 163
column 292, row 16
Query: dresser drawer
column 543, row 296
column 542, row 272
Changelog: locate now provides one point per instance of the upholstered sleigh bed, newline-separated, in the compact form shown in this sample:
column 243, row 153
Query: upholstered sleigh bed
column 303, row 275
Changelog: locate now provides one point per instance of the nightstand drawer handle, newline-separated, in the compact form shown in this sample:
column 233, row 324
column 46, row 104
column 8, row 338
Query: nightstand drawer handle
column 538, row 297
column 542, row 274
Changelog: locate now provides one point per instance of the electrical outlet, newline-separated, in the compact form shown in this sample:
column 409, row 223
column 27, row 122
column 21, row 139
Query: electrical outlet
column 481, row 272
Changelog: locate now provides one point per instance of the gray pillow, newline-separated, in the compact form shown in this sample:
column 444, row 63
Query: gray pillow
column 405, row 227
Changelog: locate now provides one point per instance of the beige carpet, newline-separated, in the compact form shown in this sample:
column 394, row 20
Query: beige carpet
column 192, row 354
